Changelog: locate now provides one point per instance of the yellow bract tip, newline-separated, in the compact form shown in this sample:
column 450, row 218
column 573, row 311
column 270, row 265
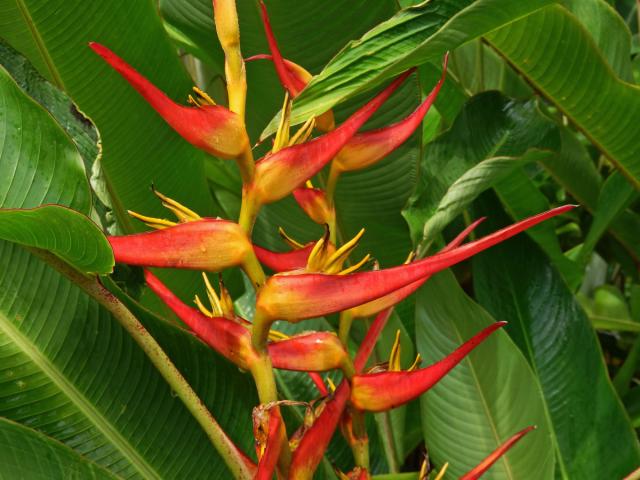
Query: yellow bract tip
column 202, row 308
column 276, row 336
column 416, row 363
column 332, row 386
column 334, row 263
column 292, row 243
column 355, row 267
column 442, row 471
column 410, row 257
column 158, row 223
column 203, row 97
column 183, row 213
column 282, row 134
column 304, row 132
column 214, row 300
column 394, row 356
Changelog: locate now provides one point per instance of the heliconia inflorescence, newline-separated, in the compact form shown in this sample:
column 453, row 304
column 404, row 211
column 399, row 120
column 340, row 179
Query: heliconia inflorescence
column 310, row 279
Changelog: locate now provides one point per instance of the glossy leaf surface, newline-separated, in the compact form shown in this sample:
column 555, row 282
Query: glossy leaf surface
column 486, row 398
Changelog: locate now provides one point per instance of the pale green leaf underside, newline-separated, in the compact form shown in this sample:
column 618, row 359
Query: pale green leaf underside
column 484, row 400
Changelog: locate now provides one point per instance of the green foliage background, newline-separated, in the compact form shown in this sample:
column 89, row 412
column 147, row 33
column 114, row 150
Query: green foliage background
column 541, row 107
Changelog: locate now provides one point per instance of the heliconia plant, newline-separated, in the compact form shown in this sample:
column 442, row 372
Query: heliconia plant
column 311, row 280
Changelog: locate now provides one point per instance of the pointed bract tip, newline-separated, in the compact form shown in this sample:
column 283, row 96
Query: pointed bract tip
column 493, row 457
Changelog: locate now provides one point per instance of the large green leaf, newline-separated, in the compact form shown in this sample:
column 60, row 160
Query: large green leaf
column 545, row 47
column 67, row 368
column 25, row 453
column 56, row 102
column 70, row 371
column 491, row 138
column 516, row 283
column 138, row 148
column 574, row 170
column 38, row 158
column 66, row 233
column 412, row 37
column 615, row 196
column 38, row 161
column 484, row 400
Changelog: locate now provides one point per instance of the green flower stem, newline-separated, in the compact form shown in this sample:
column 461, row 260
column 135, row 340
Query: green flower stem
column 254, row 271
column 360, row 444
column 344, row 326
column 249, row 208
column 332, row 181
column 263, row 375
column 247, row 165
column 240, row 466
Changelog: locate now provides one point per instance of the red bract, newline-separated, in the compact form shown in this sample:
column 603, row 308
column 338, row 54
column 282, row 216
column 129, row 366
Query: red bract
column 231, row 338
column 311, row 448
column 368, row 148
column 284, row 261
column 377, row 392
column 483, row 466
column 294, row 297
column 206, row 244
column 314, row 203
column 291, row 82
column 310, row 451
column 278, row 174
column 212, row 128
column 393, row 298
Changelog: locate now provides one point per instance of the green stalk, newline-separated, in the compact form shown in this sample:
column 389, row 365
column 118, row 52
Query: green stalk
column 263, row 375
column 249, row 209
column 240, row 466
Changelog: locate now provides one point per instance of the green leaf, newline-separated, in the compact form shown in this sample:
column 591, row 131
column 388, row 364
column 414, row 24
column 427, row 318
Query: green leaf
column 492, row 136
column 25, row 453
column 615, row 196
column 138, row 148
column 515, row 282
column 487, row 398
column 70, row 371
column 66, row 233
column 57, row 103
column 412, row 37
column 41, row 164
column 608, row 30
column 67, row 368
column 38, row 162
column 574, row 170
column 521, row 198
column 603, row 106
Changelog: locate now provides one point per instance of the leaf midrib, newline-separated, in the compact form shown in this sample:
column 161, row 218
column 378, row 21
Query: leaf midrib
column 78, row 399
column 39, row 42
column 484, row 403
